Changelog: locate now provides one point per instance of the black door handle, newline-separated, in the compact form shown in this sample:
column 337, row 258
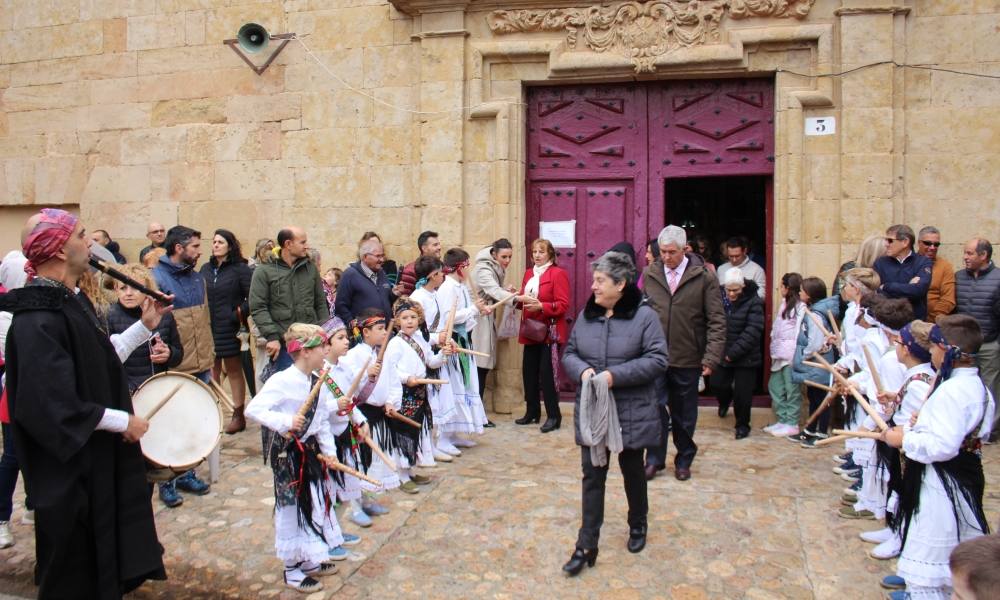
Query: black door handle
column 590, row 254
column 569, row 254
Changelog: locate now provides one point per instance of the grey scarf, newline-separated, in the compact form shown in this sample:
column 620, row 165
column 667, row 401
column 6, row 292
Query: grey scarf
column 599, row 427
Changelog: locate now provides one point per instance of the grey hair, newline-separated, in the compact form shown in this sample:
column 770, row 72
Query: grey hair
column 733, row 276
column 368, row 246
column 672, row 234
column 929, row 229
column 616, row 265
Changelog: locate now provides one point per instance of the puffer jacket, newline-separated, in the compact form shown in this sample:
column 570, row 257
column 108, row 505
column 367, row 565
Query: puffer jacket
column 190, row 313
column 744, row 328
column 784, row 333
column 979, row 297
column 281, row 295
column 810, row 340
column 228, row 286
column 632, row 347
column 138, row 367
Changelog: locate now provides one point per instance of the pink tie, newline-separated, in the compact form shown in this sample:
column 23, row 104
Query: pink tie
column 672, row 281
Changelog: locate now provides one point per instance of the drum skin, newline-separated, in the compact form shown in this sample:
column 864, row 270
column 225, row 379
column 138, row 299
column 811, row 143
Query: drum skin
column 186, row 429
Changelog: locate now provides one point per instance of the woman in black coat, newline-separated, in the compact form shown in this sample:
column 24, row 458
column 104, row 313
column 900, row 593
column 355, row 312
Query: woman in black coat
column 617, row 346
column 735, row 379
column 227, row 280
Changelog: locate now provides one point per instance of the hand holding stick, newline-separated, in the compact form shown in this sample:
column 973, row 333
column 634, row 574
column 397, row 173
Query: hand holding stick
column 392, row 414
column 355, row 383
column 311, row 399
column 336, row 465
column 861, row 399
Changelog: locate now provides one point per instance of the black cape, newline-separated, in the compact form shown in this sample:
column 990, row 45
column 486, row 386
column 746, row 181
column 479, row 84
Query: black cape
column 94, row 531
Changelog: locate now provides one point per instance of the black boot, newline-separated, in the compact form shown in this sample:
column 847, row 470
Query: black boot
column 530, row 416
column 636, row 539
column 551, row 424
column 580, row 557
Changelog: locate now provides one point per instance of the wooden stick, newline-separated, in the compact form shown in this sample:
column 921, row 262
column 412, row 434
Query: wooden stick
column 375, row 448
column 819, row 323
column 462, row 350
column 813, row 364
column 424, row 381
column 356, row 383
column 392, row 414
column 831, row 440
column 833, row 323
column 166, row 398
column 221, row 393
column 819, row 386
column 497, row 305
column 450, row 327
column 336, row 465
column 860, row 433
column 871, row 367
column 861, row 399
column 819, row 409
column 385, row 344
column 311, row 399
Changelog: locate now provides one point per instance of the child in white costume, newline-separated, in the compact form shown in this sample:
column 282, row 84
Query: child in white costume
column 407, row 358
column 305, row 526
column 470, row 415
column 941, row 502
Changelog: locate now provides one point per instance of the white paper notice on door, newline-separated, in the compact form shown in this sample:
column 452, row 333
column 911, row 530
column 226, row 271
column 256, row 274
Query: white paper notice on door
column 562, row 234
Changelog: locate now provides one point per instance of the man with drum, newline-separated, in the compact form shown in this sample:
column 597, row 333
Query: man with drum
column 73, row 426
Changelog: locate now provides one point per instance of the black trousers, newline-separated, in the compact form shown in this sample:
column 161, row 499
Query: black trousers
column 536, row 369
column 678, row 415
column 594, row 479
column 734, row 385
column 482, row 379
column 816, row 397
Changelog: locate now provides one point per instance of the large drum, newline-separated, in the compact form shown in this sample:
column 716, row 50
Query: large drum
column 184, row 430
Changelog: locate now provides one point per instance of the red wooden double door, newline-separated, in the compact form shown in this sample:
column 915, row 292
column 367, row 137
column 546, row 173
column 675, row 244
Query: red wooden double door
column 600, row 156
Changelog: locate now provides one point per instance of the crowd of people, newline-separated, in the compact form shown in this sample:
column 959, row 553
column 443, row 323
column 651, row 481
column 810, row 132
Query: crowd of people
column 360, row 377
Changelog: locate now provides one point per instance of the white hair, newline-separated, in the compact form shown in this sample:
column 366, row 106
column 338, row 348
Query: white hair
column 733, row 276
column 369, row 246
column 672, row 234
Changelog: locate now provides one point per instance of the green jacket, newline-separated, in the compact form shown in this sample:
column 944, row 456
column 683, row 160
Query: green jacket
column 281, row 295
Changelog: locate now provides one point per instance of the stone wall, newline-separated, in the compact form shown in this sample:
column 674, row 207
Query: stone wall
column 134, row 110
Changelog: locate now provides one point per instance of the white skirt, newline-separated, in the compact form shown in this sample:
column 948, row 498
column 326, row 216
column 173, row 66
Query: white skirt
column 442, row 403
column 470, row 416
column 295, row 543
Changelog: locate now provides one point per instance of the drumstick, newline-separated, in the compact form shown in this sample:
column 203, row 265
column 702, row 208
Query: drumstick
column 311, row 399
column 861, row 399
column 831, row 440
column 858, row 433
column 819, row 409
column 352, row 390
column 223, row 397
column 166, row 398
column 391, row 413
column 110, row 271
column 422, row 381
column 874, row 371
column 462, row 350
column 375, row 448
column 336, row 465
column 819, row 386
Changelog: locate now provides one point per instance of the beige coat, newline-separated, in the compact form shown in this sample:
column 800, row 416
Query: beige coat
column 487, row 280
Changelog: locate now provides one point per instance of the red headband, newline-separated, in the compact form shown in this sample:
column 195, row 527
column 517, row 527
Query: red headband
column 47, row 238
column 448, row 270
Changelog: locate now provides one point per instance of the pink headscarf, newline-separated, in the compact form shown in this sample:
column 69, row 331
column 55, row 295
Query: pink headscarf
column 47, row 238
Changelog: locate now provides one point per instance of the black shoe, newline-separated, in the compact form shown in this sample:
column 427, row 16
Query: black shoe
column 636, row 539
column 742, row 433
column 551, row 424
column 527, row 419
column 580, row 558
column 490, row 424
column 723, row 411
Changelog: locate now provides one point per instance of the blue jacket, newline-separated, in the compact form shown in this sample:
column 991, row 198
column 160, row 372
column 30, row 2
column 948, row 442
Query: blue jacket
column 896, row 278
column 182, row 281
column 801, row 372
column 356, row 292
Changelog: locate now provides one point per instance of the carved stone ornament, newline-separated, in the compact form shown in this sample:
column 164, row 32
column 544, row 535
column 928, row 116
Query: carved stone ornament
column 642, row 31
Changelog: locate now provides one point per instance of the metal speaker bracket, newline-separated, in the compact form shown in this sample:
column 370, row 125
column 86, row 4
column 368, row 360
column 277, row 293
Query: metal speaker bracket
column 235, row 45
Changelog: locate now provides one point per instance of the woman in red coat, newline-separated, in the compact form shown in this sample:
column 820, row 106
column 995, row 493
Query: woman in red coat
column 544, row 299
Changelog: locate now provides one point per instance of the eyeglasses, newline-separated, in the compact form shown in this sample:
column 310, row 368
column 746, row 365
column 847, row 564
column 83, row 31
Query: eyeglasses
column 891, row 240
column 931, row 244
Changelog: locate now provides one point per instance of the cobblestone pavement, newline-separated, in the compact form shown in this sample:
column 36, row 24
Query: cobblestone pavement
column 757, row 520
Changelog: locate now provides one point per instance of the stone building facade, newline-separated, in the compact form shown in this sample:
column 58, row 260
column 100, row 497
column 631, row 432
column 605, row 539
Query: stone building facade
column 407, row 115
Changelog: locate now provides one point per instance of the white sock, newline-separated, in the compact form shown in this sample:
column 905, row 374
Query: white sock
column 293, row 574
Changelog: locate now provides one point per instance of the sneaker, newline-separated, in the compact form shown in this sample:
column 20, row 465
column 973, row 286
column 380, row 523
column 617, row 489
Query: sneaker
column 799, row 437
column 771, row 427
column 810, row 443
column 782, row 430
column 464, row 443
column 6, row 537
column 28, row 518
column 321, row 570
column 169, row 495
column 306, row 585
column 898, row 595
column 339, row 553
column 887, row 550
column 374, row 509
column 409, row 487
column 420, row 479
column 845, row 467
column 842, row 458
column 852, row 476
column 848, row 500
column 189, row 482
column 893, row 582
column 351, row 540
column 359, row 518
column 441, row 456
column 848, row 512
column 876, row 537
column 850, row 492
